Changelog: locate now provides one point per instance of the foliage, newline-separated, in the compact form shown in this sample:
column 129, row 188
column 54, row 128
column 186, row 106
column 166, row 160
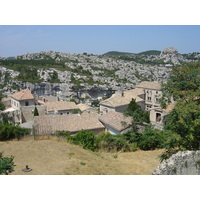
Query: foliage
column 36, row 113
column 152, row 139
column 6, row 164
column 106, row 141
column 9, row 131
column 150, row 52
column 83, row 138
column 63, row 133
column 2, row 107
column 184, row 119
column 184, row 82
column 137, row 114
column 54, row 78
column 76, row 111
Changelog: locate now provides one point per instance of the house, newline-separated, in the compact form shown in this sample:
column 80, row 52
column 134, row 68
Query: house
column 118, row 102
column 45, row 125
column 60, row 107
column 19, row 100
column 115, row 122
column 158, row 114
column 22, row 98
column 85, row 108
column 153, row 93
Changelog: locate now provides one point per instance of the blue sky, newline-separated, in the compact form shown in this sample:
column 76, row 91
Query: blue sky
column 97, row 39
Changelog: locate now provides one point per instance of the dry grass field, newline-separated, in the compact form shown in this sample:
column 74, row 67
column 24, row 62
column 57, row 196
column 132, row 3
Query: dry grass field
column 57, row 157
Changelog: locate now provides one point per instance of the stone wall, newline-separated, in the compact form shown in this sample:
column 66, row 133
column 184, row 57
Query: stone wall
column 181, row 163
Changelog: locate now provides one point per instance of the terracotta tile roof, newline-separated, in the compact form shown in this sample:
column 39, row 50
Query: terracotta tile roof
column 83, row 107
column 71, row 122
column 149, row 85
column 118, row 100
column 115, row 120
column 23, row 95
column 60, row 105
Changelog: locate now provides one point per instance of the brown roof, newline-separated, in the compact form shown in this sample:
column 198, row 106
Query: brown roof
column 83, row 107
column 118, row 100
column 23, row 95
column 60, row 105
column 72, row 123
column 115, row 120
column 149, row 85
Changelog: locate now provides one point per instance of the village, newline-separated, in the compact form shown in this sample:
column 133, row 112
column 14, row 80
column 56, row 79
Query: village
column 55, row 115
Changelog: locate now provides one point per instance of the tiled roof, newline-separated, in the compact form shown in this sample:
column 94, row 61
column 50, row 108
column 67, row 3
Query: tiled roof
column 23, row 95
column 60, row 105
column 71, row 122
column 115, row 120
column 149, row 85
column 118, row 100
column 83, row 107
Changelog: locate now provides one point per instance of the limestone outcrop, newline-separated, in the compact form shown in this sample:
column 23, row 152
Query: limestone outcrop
column 181, row 163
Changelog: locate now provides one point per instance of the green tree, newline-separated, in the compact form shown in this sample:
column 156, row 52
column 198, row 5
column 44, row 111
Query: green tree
column 36, row 113
column 184, row 83
column 6, row 164
column 138, row 115
column 184, row 119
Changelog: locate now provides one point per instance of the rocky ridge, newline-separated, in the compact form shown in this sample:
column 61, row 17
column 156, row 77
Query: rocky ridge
column 98, row 72
column 181, row 163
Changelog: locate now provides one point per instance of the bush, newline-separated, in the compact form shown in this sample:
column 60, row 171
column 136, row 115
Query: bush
column 84, row 138
column 9, row 131
column 6, row 164
column 109, row 142
column 152, row 139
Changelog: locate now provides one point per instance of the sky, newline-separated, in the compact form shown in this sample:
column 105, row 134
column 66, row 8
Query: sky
column 97, row 39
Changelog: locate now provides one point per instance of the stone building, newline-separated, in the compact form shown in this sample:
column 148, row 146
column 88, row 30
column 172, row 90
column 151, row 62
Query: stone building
column 158, row 114
column 22, row 98
column 153, row 93
column 115, row 122
column 60, row 107
column 47, row 125
column 118, row 102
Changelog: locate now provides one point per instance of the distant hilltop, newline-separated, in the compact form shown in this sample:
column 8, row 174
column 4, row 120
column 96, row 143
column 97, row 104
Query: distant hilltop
column 149, row 52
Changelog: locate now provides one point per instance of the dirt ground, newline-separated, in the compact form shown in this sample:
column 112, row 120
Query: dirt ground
column 53, row 157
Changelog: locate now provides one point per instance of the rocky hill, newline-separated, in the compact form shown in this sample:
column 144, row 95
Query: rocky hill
column 181, row 163
column 65, row 74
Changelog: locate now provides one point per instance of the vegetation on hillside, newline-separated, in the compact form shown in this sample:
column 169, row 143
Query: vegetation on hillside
column 6, row 164
column 150, row 52
column 184, row 119
column 9, row 131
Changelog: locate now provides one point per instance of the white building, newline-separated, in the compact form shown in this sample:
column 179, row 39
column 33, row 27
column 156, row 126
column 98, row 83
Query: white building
column 119, row 102
column 22, row 98
column 153, row 93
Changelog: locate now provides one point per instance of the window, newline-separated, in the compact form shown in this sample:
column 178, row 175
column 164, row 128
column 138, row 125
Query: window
column 157, row 100
column 26, row 103
column 158, row 117
column 149, row 98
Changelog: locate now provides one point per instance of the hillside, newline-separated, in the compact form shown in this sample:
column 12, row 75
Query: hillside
column 59, row 157
column 150, row 52
column 115, row 53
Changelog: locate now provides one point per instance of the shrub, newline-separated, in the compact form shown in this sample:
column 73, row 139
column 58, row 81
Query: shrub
column 109, row 142
column 133, row 147
column 6, row 164
column 9, row 131
column 62, row 133
column 83, row 138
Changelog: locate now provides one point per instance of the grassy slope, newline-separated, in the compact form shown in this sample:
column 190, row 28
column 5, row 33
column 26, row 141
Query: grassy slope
column 58, row 157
